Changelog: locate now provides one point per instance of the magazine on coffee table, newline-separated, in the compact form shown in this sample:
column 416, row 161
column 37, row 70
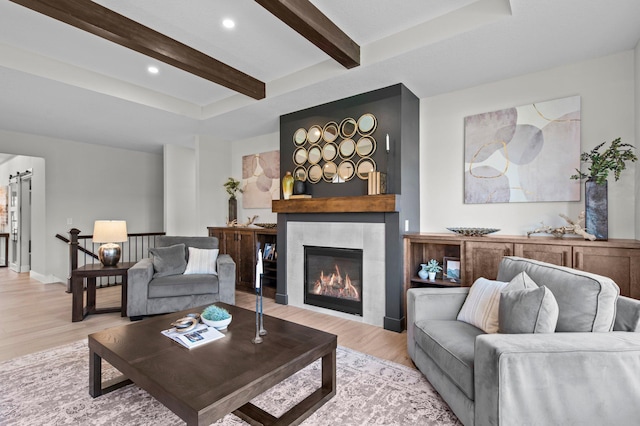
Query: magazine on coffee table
column 198, row 336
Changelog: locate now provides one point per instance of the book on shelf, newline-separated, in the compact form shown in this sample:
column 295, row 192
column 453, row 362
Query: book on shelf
column 298, row 196
column 197, row 337
column 267, row 251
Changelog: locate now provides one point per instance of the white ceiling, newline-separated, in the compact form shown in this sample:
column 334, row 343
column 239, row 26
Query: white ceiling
column 59, row 81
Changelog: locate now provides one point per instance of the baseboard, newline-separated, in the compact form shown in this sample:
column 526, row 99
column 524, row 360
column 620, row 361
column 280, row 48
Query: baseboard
column 45, row 279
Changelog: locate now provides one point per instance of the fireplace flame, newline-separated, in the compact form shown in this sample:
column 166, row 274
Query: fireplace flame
column 335, row 286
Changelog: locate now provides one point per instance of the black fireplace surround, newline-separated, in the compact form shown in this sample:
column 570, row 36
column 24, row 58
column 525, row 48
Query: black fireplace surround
column 333, row 278
column 398, row 113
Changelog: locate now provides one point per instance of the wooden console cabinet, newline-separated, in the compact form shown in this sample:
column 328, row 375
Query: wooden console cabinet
column 242, row 245
column 618, row 259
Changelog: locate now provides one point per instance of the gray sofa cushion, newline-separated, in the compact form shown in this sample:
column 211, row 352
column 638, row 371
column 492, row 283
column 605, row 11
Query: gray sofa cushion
column 197, row 242
column 183, row 285
column 168, row 260
column 586, row 302
column 532, row 310
column 450, row 344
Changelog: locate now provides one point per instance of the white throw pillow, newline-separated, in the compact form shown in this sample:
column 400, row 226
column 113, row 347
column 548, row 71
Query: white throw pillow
column 482, row 304
column 202, row 261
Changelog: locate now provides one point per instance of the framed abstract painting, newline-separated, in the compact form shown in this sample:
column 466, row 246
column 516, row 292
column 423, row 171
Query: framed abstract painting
column 523, row 154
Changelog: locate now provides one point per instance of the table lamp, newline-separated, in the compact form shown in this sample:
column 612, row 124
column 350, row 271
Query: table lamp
column 109, row 232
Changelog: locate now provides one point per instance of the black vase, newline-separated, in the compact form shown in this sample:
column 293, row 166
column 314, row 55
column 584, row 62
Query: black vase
column 299, row 187
column 233, row 209
column 596, row 209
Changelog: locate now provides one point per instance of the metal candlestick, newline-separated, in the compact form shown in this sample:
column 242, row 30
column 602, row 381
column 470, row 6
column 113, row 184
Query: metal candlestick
column 262, row 331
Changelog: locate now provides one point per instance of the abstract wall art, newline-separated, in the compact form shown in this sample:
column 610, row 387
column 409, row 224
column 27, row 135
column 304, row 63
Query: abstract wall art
column 523, row 154
column 260, row 179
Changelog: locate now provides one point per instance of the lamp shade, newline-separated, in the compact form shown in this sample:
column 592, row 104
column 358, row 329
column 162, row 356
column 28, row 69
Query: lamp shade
column 110, row 231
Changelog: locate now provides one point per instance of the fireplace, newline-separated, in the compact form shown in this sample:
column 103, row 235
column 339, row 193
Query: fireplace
column 333, row 278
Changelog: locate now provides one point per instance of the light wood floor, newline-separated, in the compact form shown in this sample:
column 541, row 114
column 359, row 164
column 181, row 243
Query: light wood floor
column 37, row 316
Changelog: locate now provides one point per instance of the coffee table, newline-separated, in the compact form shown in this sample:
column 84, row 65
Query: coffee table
column 203, row 384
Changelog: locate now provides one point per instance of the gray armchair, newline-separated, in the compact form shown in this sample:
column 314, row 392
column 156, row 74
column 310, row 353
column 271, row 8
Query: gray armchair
column 586, row 376
column 150, row 292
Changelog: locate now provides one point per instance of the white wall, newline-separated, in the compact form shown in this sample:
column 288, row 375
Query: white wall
column 86, row 182
column 637, row 142
column 216, row 162
column 263, row 143
column 606, row 86
column 213, row 166
column 180, row 191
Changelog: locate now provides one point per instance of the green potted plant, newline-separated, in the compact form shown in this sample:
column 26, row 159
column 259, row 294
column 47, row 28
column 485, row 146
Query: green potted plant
column 232, row 186
column 429, row 269
column 216, row 317
column 599, row 165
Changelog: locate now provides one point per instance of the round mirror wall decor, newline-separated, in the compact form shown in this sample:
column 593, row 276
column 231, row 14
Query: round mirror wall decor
column 329, row 171
column 314, row 134
column 300, row 137
column 347, row 148
column 329, row 151
column 366, row 146
column 315, row 154
column 314, row 174
column 330, row 131
column 348, row 128
column 346, row 170
column 367, row 124
column 300, row 156
column 300, row 173
column 364, row 166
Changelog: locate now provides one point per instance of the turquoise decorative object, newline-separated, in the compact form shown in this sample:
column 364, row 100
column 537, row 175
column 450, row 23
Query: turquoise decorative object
column 215, row 313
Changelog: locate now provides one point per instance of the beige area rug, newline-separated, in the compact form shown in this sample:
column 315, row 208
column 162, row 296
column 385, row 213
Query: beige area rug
column 52, row 388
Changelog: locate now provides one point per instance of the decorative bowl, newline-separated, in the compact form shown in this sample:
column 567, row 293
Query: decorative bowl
column 473, row 232
column 267, row 225
column 218, row 325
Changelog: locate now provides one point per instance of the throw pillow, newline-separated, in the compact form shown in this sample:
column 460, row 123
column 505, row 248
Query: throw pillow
column 532, row 310
column 168, row 260
column 202, row 261
column 480, row 308
column 522, row 281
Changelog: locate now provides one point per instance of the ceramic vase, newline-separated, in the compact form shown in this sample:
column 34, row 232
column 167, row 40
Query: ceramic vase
column 299, row 187
column 233, row 209
column 423, row 273
column 287, row 185
column 596, row 209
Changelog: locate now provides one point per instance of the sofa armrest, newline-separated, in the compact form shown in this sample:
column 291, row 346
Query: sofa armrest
column 138, row 278
column 226, row 268
column 559, row 378
column 432, row 303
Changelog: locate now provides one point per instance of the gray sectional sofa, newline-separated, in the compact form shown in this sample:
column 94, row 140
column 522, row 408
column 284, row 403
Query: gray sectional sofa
column 586, row 373
column 165, row 288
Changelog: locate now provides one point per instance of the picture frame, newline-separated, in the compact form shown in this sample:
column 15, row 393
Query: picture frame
column 451, row 269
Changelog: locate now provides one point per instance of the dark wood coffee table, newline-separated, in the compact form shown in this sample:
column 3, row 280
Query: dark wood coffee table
column 203, row 384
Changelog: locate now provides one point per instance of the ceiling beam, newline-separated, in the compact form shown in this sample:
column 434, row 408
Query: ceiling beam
column 98, row 20
column 308, row 21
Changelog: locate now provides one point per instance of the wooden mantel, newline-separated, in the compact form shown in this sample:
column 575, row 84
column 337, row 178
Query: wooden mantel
column 386, row 203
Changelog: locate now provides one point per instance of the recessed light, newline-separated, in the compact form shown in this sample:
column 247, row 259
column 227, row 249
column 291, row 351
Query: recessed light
column 153, row 70
column 228, row 23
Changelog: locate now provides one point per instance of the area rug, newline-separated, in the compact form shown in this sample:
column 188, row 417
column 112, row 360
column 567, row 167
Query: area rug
column 52, row 388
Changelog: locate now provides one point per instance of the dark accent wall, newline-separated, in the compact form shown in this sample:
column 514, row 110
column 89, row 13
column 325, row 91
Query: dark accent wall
column 397, row 111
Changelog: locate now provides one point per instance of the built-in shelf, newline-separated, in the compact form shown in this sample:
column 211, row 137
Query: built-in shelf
column 385, row 203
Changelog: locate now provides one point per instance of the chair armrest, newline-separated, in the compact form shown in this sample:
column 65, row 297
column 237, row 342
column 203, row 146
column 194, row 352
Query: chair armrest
column 138, row 278
column 559, row 378
column 432, row 303
column 226, row 268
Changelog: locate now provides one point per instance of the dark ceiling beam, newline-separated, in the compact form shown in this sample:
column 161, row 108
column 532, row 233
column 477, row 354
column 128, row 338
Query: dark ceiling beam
column 98, row 20
column 308, row 21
